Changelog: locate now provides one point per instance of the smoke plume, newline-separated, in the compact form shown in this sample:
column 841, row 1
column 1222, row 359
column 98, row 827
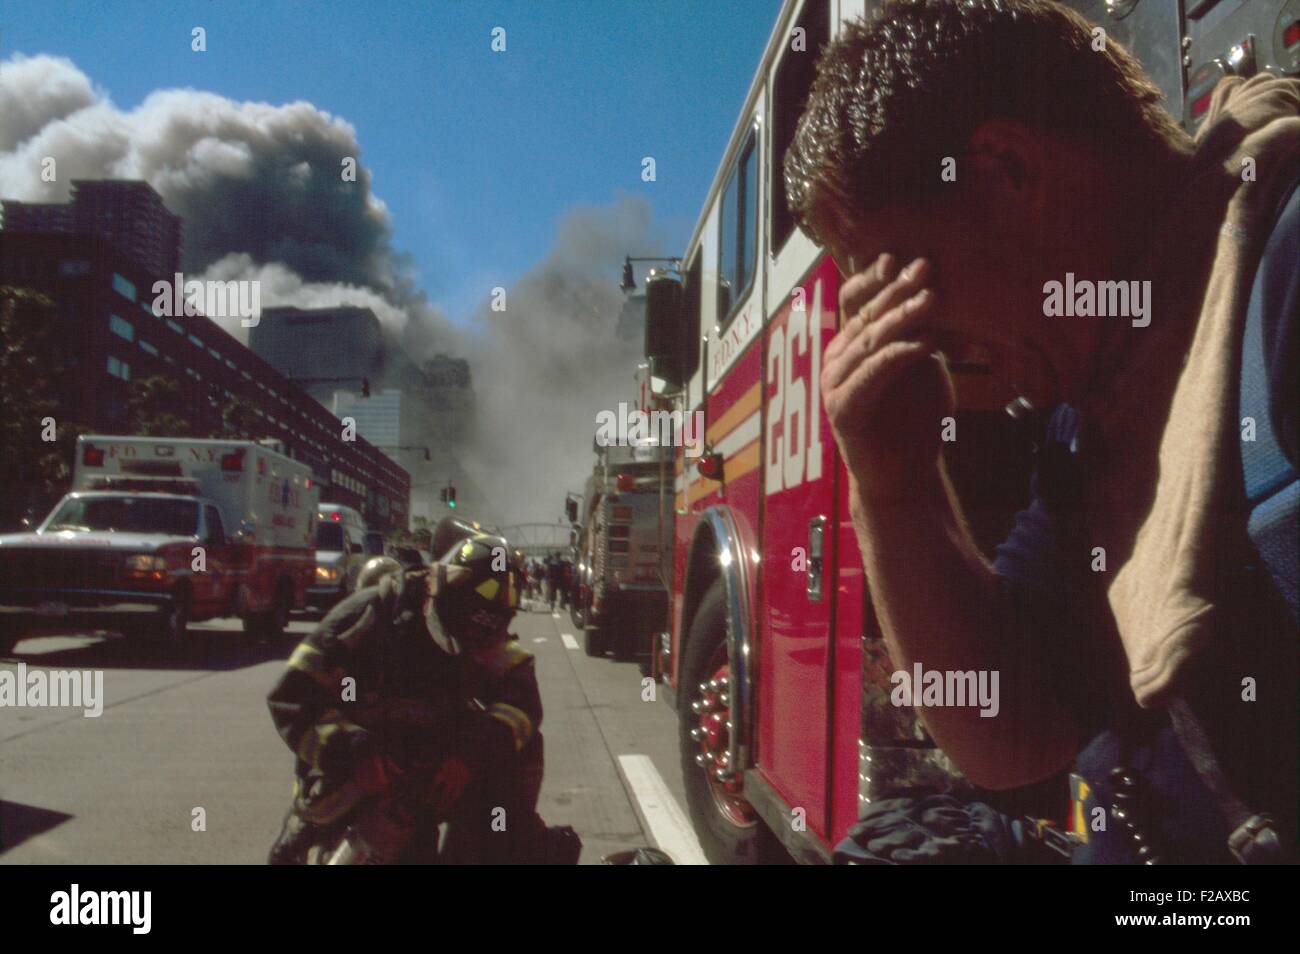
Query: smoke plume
column 260, row 190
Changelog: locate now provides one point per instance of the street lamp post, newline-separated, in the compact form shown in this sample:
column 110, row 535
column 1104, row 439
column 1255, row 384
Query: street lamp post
column 629, row 280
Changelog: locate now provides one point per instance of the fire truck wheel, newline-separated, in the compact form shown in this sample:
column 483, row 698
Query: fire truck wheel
column 729, row 830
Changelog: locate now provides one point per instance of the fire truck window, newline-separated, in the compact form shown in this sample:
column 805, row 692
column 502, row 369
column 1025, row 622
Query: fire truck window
column 736, row 233
column 793, row 80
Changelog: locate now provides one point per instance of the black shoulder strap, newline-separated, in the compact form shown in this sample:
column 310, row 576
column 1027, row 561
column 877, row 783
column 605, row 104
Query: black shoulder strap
column 1253, row 839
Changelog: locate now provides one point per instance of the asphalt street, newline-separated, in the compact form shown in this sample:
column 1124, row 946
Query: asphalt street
column 183, row 765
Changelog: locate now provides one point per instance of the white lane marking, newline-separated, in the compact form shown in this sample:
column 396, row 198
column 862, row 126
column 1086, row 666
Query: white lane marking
column 569, row 641
column 539, row 639
column 668, row 824
column 555, row 615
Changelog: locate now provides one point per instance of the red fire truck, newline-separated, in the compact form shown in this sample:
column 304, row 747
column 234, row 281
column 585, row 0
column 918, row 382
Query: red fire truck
column 772, row 656
column 620, row 594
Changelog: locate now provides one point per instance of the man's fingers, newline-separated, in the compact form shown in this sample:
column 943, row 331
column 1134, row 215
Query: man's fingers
column 911, row 280
column 871, row 296
column 903, row 321
column 877, row 374
column 859, row 289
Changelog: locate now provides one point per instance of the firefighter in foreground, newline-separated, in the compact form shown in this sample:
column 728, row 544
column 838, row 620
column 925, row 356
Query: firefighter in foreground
column 411, row 705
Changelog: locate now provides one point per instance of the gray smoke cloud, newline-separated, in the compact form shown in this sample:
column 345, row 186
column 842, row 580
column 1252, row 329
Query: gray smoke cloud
column 552, row 359
column 260, row 182
column 261, row 194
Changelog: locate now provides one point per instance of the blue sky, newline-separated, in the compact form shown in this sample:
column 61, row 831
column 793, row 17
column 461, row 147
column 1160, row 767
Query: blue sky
column 477, row 154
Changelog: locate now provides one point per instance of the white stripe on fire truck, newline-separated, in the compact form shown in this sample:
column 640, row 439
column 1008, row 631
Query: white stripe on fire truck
column 740, row 437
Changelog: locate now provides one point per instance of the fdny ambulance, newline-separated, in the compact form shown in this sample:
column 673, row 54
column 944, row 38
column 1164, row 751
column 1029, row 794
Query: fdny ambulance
column 168, row 531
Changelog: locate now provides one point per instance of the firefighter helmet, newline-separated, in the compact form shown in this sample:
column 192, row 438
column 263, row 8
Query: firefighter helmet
column 473, row 607
column 375, row 569
column 451, row 530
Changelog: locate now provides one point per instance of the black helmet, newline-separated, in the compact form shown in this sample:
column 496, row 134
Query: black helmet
column 473, row 608
column 448, row 531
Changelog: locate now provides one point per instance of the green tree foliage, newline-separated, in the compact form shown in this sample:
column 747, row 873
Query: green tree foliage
column 152, row 408
column 34, row 469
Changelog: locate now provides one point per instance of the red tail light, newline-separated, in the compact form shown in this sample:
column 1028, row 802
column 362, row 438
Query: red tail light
column 92, row 456
column 1291, row 36
column 234, row 461
column 626, row 483
column 710, row 466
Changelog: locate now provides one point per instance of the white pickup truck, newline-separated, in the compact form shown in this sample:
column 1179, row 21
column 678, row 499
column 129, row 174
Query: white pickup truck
column 169, row 529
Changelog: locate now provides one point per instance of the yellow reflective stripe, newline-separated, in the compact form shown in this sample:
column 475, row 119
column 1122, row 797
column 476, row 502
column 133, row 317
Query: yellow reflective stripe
column 314, row 739
column 504, row 658
column 307, row 658
column 521, row 727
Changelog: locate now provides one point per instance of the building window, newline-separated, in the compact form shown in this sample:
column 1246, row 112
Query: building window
column 230, row 364
column 123, row 287
column 147, row 348
column 74, row 268
column 196, row 341
column 119, row 369
column 121, row 327
column 215, row 353
column 175, row 327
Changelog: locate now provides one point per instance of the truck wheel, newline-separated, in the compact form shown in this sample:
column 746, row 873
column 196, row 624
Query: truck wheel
column 729, row 829
column 270, row 625
column 593, row 641
column 174, row 621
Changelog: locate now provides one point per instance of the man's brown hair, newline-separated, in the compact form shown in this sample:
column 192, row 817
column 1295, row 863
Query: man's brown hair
column 896, row 96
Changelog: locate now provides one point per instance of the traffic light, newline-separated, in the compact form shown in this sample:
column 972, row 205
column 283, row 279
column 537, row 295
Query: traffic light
column 448, row 496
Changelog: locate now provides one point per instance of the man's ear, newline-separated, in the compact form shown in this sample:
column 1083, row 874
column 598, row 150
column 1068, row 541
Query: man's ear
column 1008, row 165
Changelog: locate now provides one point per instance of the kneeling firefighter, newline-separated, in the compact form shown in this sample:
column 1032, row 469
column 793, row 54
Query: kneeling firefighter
column 411, row 706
